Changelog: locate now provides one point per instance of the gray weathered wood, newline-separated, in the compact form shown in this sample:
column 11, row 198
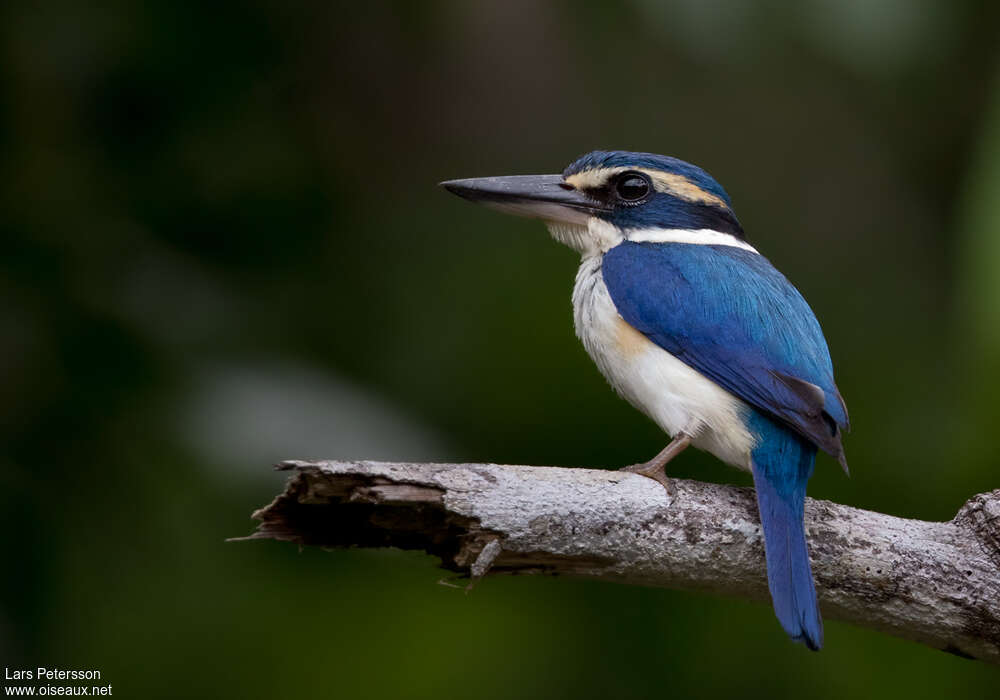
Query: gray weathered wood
column 935, row 583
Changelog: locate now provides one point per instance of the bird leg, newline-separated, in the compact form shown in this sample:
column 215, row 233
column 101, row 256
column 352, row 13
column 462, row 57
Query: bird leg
column 654, row 468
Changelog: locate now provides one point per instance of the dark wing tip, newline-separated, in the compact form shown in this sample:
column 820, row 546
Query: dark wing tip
column 846, row 427
column 842, row 458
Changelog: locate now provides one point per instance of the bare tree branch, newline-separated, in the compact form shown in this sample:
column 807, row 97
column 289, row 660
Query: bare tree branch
column 935, row 583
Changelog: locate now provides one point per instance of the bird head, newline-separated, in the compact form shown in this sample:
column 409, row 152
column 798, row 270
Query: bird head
column 605, row 197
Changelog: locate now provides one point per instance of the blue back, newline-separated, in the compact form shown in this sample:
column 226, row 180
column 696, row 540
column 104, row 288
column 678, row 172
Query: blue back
column 728, row 313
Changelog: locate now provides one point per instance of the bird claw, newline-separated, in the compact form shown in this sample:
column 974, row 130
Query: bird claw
column 654, row 468
column 656, row 472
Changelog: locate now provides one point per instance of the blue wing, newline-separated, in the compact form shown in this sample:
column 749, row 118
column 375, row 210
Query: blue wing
column 732, row 316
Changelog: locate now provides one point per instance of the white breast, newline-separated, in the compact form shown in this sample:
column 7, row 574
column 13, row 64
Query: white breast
column 674, row 395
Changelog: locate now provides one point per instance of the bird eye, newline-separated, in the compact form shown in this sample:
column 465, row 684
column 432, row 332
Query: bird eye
column 632, row 187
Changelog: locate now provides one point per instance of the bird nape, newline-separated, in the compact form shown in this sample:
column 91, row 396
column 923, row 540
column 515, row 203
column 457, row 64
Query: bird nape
column 697, row 330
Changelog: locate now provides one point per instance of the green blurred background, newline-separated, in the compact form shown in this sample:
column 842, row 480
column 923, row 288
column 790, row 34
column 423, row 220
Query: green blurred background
column 223, row 245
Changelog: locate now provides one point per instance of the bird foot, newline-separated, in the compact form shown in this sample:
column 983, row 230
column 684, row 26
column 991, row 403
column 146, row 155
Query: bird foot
column 654, row 468
column 651, row 470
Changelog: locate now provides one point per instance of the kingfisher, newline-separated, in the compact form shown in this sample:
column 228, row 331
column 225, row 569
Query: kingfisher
column 695, row 328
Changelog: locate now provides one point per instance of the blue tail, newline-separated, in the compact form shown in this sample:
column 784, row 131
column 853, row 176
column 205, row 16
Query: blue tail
column 782, row 464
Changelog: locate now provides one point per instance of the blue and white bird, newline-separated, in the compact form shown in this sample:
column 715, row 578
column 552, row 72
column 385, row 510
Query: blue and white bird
column 697, row 330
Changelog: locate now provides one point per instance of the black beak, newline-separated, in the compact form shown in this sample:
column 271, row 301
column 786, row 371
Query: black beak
column 539, row 196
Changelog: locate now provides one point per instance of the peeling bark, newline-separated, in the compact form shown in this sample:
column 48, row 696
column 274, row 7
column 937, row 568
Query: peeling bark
column 934, row 583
